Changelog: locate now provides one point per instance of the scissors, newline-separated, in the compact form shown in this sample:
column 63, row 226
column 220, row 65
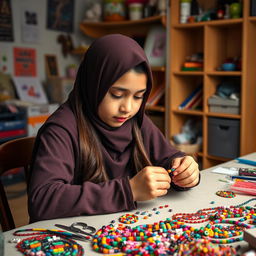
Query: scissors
column 79, row 227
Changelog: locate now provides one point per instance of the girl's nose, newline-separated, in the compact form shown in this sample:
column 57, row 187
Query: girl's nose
column 126, row 106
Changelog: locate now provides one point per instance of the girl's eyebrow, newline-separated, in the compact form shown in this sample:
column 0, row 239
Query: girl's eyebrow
column 124, row 90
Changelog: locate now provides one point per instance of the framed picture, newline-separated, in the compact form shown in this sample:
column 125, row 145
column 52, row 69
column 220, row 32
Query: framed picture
column 60, row 15
column 51, row 65
column 155, row 46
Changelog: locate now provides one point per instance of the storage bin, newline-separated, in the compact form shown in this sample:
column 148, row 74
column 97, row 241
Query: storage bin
column 218, row 104
column 223, row 137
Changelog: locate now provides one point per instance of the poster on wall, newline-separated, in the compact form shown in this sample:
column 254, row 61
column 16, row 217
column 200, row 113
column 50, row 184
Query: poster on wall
column 24, row 61
column 29, row 26
column 30, row 89
column 60, row 15
column 6, row 23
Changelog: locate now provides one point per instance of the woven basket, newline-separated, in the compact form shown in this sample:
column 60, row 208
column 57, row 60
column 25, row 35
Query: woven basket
column 190, row 149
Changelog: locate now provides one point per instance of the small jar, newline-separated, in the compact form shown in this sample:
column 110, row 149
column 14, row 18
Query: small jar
column 113, row 10
column 135, row 11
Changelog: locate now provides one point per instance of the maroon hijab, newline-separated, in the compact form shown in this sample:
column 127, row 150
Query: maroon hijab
column 107, row 59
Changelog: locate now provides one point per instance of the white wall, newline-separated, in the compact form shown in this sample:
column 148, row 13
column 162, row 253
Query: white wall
column 48, row 38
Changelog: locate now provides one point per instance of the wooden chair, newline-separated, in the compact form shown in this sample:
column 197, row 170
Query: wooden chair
column 13, row 154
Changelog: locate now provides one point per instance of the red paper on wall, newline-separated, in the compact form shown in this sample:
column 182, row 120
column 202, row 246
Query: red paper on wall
column 24, row 62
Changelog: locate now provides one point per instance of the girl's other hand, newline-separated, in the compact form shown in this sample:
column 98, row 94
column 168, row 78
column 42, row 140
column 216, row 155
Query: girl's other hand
column 186, row 172
column 149, row 183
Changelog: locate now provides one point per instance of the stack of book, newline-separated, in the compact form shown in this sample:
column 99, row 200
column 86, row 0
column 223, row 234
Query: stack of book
column 192, row 66
column 194, row 100
column 12, row 126
column 156, row 94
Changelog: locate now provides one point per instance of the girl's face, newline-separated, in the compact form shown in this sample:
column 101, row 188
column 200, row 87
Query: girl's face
column 123, row 99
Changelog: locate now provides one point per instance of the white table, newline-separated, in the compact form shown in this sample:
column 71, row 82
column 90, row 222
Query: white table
column 185, row 201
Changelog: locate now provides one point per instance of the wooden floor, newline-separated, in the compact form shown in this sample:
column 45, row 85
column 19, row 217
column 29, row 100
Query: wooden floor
column 18, row 203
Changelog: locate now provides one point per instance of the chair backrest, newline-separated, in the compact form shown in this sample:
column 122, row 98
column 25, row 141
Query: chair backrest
column 13, row 154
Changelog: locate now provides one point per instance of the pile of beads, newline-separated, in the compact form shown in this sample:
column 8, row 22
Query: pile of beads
column 46, row 245
column 204, row 247
column 128, row 218
column 166, row 237
column 227, row 194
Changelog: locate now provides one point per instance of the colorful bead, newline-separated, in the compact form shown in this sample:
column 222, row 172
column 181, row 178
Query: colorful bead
column 227, row 194
column 128, row 218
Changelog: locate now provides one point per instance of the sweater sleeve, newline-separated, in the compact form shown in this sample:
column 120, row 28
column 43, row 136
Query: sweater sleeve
column 160, row 150
column 53, row 192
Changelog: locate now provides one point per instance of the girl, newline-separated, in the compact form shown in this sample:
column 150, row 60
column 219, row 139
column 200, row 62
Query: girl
column 99, row 153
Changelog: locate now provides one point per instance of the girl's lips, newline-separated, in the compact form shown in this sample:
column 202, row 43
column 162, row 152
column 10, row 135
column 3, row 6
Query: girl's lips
column 120, row 119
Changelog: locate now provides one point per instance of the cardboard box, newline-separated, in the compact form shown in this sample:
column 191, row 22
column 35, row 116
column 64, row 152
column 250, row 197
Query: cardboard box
column 37, row 115
column 218, row 104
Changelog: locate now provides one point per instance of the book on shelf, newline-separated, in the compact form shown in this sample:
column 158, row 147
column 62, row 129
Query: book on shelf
column 13, row 133
column 12, row 125
column 155, row 95
column 193, row 100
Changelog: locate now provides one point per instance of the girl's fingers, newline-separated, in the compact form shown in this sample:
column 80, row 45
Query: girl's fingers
column 188, row 181
column 163, row 185
column 183, row 167
column 161, row 192
column 188, row 184
column 176, row 162
column 186, row 173
column 164, row 177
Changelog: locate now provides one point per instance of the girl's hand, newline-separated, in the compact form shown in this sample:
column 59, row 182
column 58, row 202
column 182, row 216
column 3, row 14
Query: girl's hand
column 186, row 172
column 149, row 183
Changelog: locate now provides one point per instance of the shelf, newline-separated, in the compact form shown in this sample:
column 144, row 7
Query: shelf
column 218, row 158
column 252, row 18
column 156, row 108
column 224, row 73
column 200, row 154
column 79, row 50
column 188, row 73
column 218, row 40
column 228, row 22
column 224, row 115
column 127, row 27
column 158, row 69
column 188, row 112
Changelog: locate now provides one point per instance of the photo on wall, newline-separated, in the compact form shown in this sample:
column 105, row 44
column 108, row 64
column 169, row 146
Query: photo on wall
column 6, row 22
column 29, row 25
column 51, row 65
column 60, row 15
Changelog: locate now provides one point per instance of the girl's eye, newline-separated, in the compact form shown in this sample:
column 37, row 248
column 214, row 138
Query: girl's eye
column 139, row 97
column 116, row 96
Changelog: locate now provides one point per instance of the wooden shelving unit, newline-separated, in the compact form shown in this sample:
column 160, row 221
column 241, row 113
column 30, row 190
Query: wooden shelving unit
column 217, row 40
column 126, row 27
column 134, row 29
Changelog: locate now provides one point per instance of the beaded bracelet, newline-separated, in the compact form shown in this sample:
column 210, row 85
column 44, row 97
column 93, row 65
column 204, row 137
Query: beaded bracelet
column 42, row 245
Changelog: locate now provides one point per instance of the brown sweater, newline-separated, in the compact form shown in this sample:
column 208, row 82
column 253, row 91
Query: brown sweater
column 56, row 189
